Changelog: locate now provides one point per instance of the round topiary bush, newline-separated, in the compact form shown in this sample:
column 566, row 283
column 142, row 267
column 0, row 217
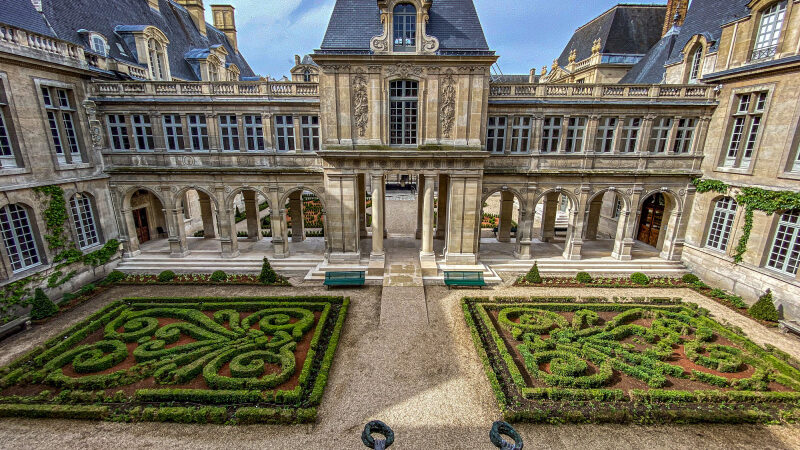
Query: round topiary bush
column 764, row 308
column 640, row 278
column 166, row 276
column 583, row 277
column 690, row 278
column 219, row 276
column 41, row 306
column 115, row 277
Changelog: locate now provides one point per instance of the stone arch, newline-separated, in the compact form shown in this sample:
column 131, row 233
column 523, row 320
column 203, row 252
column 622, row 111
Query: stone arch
column 660, row 233
column 178, row 197
column 140, row 227
column 128, row 194
column 598, row 228
column 503, row 232
column 548, row 220
column 229, row 198
column 573, row 199
column 298, row 227
column 314, row 190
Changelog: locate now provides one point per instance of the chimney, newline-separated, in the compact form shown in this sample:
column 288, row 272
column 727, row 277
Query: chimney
column 297, row 60
column 196, row 10
column 224, row 21
column 532, row 76
column 153, row 4
column 676, row 14
column 37, row 5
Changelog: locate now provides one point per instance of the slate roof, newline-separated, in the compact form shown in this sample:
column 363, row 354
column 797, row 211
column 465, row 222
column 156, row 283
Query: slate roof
column 112, row 17
column 624, row 29
column 454, row 22
column 21, row 14
column 650, row 69
column 513, row 78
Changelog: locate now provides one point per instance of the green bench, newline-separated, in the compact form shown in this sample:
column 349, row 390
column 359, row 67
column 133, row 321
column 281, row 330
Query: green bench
column 348, row 278
column 461, row 278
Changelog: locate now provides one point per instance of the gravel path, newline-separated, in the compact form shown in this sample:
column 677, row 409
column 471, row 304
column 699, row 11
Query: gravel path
column 424, row 379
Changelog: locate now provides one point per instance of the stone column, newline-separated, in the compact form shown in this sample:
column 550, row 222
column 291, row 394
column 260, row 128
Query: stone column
column 464, row 210
column 251, row 210
column 212, row 124
column 266, row 122
column 207, row 214
column 277, row 217
column 644, row 136
column 590, row 136
column 623, row 244
column 296, row 208
column 594, row 219
column 342, row 218
column 441, row 207
column 157, row 128
column 536, row 133
column 577, row 216
column 227, row 226
column 298, row 140
column 527, row 211
column 362, row 205
column 130, row 243
column 177, row 233
column 506, row 213
column 420, row 187
column 427, row 217
column 377, row 216
column 549, row 212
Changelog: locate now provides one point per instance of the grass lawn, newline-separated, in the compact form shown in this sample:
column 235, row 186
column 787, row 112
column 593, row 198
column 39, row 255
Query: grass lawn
column 554, row 361
column 217, row 360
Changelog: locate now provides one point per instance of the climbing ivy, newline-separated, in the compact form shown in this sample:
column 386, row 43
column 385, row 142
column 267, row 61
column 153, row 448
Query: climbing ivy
column 55, row 216
column 751, row 199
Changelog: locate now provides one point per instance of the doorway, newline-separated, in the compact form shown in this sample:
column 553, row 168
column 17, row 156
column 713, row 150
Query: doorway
column 141, row 224
column 651, row 220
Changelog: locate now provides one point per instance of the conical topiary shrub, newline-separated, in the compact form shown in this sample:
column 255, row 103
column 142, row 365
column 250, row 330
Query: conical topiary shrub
column 764, row 309
column 268, row 275
column 533, row 276
column 41, row 306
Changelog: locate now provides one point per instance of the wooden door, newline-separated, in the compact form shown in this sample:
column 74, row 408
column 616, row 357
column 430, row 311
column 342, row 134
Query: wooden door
column 650, row 221
column 142, row 228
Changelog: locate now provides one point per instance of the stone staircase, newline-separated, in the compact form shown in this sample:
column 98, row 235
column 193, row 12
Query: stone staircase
column 317, row 273
column 597, row 266
column 490, row 276
column 206, row 262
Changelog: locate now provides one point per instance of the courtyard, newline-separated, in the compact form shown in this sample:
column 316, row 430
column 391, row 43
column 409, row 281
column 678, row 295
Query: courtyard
column 407, row 361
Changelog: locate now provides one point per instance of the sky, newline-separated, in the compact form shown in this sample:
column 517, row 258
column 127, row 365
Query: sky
column 525, row 33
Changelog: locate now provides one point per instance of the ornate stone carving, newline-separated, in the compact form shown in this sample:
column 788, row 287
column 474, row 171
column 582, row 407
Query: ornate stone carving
column 429, row 43
column 404, row 70
column 360, row 103
column 380, row 44
column 448, row 101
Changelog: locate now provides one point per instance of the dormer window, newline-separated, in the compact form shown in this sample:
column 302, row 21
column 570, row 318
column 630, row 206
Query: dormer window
column 769, row 31
column 405, row 28
column 696, row 65
column 307, row 76
column 157, row 60
column 213, row 72
column 99, row 45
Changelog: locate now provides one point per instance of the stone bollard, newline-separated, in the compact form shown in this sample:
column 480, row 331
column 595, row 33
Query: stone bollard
column 376, row 426
column 502, row 428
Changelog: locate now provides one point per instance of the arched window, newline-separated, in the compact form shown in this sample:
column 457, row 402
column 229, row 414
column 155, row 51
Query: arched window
column 719, row 232
column 696, row 65
column 403, row 106
column 99, row 45
column 157, row 61
column 83, row 218
column 307, row 76
column 405, row 28
column 769, row 30
column 785, row 252
column 18, row 238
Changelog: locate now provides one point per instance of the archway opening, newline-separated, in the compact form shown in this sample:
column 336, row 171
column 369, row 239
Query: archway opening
column 651, row 220
column 149, row 221
column 499, row 228
column 305, row 222
column 602, row 227
column 550, row 224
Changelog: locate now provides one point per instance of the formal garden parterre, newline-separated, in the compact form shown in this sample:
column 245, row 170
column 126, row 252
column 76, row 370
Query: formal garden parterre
column 560, row 360
column 217, row 360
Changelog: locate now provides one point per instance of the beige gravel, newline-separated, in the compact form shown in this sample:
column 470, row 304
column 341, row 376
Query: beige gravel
column 422, row 378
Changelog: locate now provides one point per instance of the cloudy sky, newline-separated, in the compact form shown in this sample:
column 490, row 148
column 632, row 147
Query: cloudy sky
column 525, row 33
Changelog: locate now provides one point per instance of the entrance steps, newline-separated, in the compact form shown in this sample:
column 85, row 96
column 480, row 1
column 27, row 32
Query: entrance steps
column 317, row 273
column 598, row 266
column 207, row 262
column 490, row 276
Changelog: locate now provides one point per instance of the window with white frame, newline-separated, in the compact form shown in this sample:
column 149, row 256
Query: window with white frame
column 173, row 131
column 229, row 133
column 659, row 136
column 745, row 128
column 309, row 131
column 8, row 159
column 696, row 66
column 576, row 128
column 198, row 131
column 520, row 134
column 551, row 134
column 284, row 133
column 254, row 132
column 719, row 231
column 785, row 252
column 61, row 121
column 405, row 27
column 83, row 219
column 684, row 134
column 769, row 31
column 158, row 62
column 143, row 132
column 604, row 141
column 18, row 238
column 496, row 134
column 403, row 107
column 118, row 132
column 99, row 44
column 630, row 134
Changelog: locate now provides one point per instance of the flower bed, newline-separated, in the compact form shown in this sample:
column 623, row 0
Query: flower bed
column 552, row 361
column 220, row 360
column 199, row 278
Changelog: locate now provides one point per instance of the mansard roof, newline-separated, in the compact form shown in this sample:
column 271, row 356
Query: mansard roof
column 650, row 69
column 454, row 22
column 112, row 17
column 22, row 14
column 623, row 29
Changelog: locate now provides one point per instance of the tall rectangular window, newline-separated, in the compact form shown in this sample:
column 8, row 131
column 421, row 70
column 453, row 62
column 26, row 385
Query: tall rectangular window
column 143, row 132
column 254, row 133
column 576, row 128
column 796, row 160
column 228, row 133
column 309, row 129
column 198, row 132
column 8, row 159
column 403, row 112
column 61, row 121
column 719, row 232
column 83, row 219
column 284, row 133
column 496, row 134
column 520, row 134
column 744, row 129
column 118, row 132
column 604, row 142
column 405, row 28
column 18, row 238
column 769, row 31
column 785, row 254
column 684, row 135
column 173, row 132
column 551, row 134
column 630, row 134
column 659, row 136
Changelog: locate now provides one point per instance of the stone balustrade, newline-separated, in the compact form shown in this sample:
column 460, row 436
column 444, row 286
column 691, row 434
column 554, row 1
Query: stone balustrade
column 20, row 41
column 212, row 160
column 225, row 88
column 598, row 162
column 582, row 91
